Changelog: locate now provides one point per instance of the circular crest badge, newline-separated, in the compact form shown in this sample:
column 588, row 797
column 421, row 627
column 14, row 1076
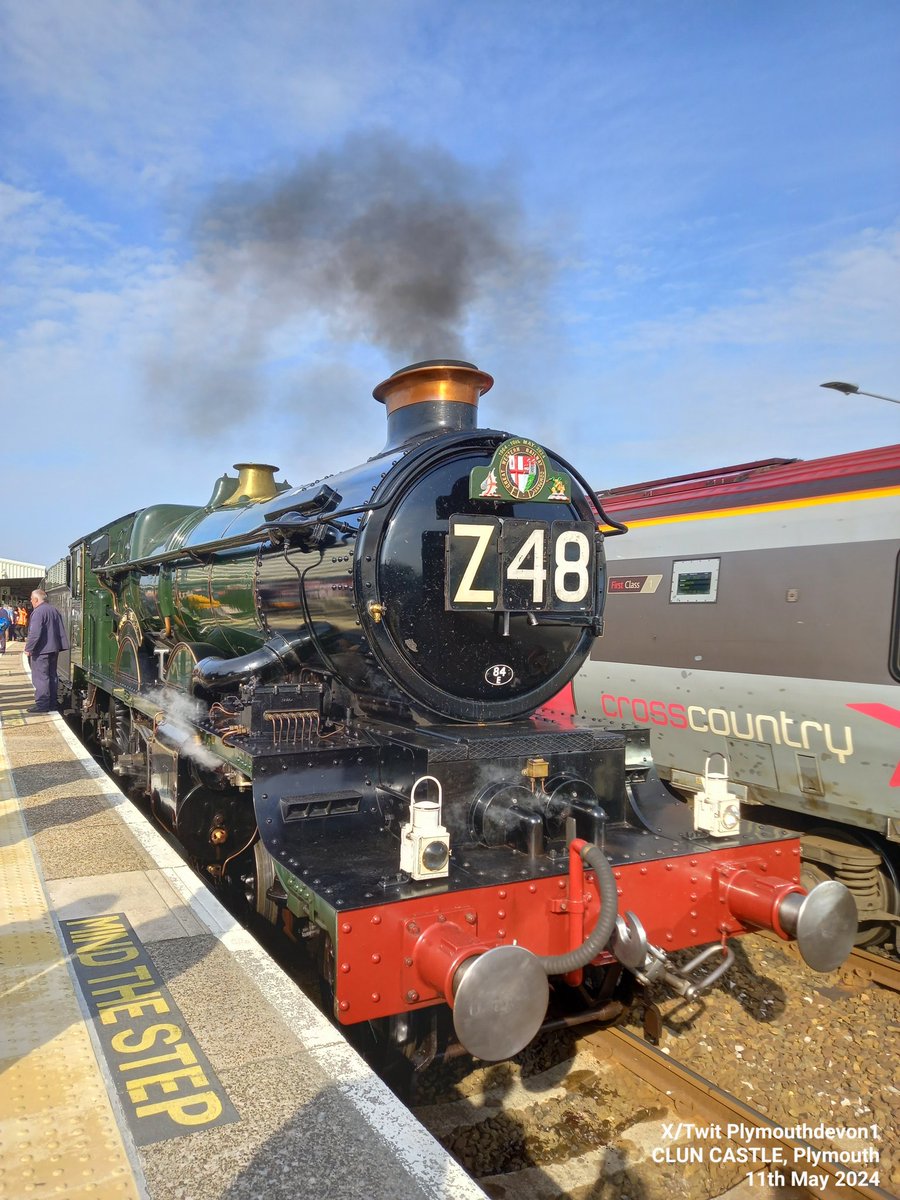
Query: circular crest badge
column 523, row 469
column 499, row 675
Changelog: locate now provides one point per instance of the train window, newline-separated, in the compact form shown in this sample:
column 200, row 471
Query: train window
column 695, row 581
column 895, row 626
column 100, row 551
column 75, row 573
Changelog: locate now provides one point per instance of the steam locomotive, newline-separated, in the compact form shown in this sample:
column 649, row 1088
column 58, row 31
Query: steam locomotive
column 327, row 694
column 754, row 623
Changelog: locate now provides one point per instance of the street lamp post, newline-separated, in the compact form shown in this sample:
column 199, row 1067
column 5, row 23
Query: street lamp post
column 850, row 389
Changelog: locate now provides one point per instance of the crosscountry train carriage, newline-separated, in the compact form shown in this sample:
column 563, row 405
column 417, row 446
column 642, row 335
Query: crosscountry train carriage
column 753, row 625
column 327, row 694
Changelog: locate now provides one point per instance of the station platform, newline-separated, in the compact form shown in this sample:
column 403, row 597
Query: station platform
column 149, row 1047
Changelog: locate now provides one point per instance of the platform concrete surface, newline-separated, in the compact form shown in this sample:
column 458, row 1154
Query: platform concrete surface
column 302, row 1115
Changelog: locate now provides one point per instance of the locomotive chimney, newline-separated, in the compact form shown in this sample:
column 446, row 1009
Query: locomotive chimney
column 431, row 397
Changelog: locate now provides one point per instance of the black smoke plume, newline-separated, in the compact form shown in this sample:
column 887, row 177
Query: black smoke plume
column 376, row 242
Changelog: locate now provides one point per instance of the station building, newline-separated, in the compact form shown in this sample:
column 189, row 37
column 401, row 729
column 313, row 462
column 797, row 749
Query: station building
column 18, row 580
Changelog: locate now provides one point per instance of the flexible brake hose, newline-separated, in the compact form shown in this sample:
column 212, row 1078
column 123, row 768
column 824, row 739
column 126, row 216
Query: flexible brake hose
column 561, row 964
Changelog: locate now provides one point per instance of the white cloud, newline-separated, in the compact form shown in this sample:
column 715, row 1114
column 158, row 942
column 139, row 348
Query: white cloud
column 652, row 188
column 731, row 384
column 129, row 92
column 845, row 291
column 740, row 379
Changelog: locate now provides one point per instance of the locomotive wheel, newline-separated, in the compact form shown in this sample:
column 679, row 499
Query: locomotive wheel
column 115, row 730
column 263, row 878
column 886, row 877
column 812, row 874
column 325, row 971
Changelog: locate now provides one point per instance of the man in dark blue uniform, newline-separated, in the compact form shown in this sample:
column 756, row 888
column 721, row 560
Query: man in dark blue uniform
column 46, row 637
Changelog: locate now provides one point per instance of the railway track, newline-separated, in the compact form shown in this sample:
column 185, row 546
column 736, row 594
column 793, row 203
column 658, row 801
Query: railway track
column 617, row 1117
column 864, row 967
column 613, row 1116
column 718, row 1126
column 861, row 968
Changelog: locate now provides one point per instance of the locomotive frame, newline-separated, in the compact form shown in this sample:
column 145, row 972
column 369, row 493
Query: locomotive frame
column 327, row 694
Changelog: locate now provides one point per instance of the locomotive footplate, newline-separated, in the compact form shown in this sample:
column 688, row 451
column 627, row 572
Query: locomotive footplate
column 351, row 871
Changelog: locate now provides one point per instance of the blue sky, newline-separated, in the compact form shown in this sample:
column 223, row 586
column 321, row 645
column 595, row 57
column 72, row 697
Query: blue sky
column 659, row 226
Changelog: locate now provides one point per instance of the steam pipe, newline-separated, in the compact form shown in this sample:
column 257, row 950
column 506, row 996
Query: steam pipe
column 562, row 964
column 278, row 655
column 176, row 737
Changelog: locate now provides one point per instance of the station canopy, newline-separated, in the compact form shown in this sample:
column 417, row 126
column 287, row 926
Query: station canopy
column 19, row 579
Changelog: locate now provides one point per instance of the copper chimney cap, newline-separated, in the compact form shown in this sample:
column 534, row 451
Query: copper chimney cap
column 437, row 379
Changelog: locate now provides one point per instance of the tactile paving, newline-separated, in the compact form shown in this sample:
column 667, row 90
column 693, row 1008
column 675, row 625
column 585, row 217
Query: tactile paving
column 58, row 1134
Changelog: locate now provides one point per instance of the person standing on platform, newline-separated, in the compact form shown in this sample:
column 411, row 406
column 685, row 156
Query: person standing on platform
column 46, row 637
column 6, row 627
column 21, row 623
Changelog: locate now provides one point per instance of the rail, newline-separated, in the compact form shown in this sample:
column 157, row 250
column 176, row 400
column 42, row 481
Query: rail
column 861, row 967
column 780, row 1159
